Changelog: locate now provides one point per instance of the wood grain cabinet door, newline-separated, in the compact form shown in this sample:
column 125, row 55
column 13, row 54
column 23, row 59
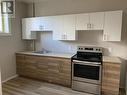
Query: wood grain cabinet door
column 20, row 63
column 53, row 70
column 30, row 68
column 111, row 78
column 65, row 72
column 59, row 71
column 42, row 68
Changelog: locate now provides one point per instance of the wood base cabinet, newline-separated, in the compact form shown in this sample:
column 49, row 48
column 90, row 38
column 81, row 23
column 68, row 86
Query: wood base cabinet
column 26, row 66
column 111, row 78
column 53, row 70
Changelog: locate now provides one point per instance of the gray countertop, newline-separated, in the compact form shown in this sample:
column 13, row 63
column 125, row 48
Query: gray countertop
column 111, row 59
column 52, row 54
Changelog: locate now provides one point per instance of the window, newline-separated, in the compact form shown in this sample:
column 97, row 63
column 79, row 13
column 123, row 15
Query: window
column 4, row 24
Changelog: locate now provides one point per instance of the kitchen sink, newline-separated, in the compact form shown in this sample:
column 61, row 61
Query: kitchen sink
column 41, row 52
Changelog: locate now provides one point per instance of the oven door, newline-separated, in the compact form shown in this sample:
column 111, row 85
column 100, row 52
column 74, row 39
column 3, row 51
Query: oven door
column 89, row 72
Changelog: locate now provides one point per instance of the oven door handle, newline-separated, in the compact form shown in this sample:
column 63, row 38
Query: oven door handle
column 87, row 63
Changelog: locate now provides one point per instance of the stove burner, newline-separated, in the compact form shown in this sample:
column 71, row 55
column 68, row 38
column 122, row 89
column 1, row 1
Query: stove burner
column 88, row 54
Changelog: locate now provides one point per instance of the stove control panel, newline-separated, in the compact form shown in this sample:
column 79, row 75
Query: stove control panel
column 90, row 49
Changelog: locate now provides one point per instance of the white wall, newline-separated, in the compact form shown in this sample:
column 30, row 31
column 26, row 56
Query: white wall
column 54, row 7
column 9, row 45
column 59, row 7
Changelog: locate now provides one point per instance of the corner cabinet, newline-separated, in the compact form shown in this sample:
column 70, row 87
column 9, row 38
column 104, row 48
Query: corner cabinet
column 111, row 78
column 49, row 69
column 31, row 25
column 113, row 26
column 64, row 27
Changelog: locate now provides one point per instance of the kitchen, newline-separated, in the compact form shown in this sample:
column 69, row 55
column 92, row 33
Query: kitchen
column 92, row 38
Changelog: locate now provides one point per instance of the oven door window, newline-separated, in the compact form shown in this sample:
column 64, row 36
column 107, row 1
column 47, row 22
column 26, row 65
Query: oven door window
column 86, row 71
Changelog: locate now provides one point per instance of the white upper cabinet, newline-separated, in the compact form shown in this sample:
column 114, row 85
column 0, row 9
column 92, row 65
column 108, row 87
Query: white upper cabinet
column 64, row 27
column 91, row 21
column 113, row 26
column 82, row 22
column 69, row 27
column 57, row 27
column 97, row 21
column 29, row 25
column 45, row 23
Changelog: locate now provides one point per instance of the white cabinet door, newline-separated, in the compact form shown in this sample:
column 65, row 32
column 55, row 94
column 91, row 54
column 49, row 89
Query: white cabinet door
column 69, row 27
column 58, row 28
column 64, row 27
column 82, row 22
column 91, row 21
column 29, row 25
column 46, row 23
column 97, row 21
column 34, row 24
column 113, row 26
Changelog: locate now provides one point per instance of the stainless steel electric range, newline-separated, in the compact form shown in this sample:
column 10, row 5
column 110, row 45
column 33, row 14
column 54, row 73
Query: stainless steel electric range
column 87, row 70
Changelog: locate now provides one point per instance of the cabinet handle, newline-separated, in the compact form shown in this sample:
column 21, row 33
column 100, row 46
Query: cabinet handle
column 91, row 26
column 105, row 37
column 88, row 26
column 65, row 36
column 41, row 27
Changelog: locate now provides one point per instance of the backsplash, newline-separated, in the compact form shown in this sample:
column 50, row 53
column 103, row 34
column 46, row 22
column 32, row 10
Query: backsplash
column 85, row 38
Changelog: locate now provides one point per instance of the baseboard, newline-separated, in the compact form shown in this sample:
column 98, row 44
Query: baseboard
column 12, row 77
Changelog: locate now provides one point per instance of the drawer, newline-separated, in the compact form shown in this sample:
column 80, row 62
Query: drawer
column 86, row 87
